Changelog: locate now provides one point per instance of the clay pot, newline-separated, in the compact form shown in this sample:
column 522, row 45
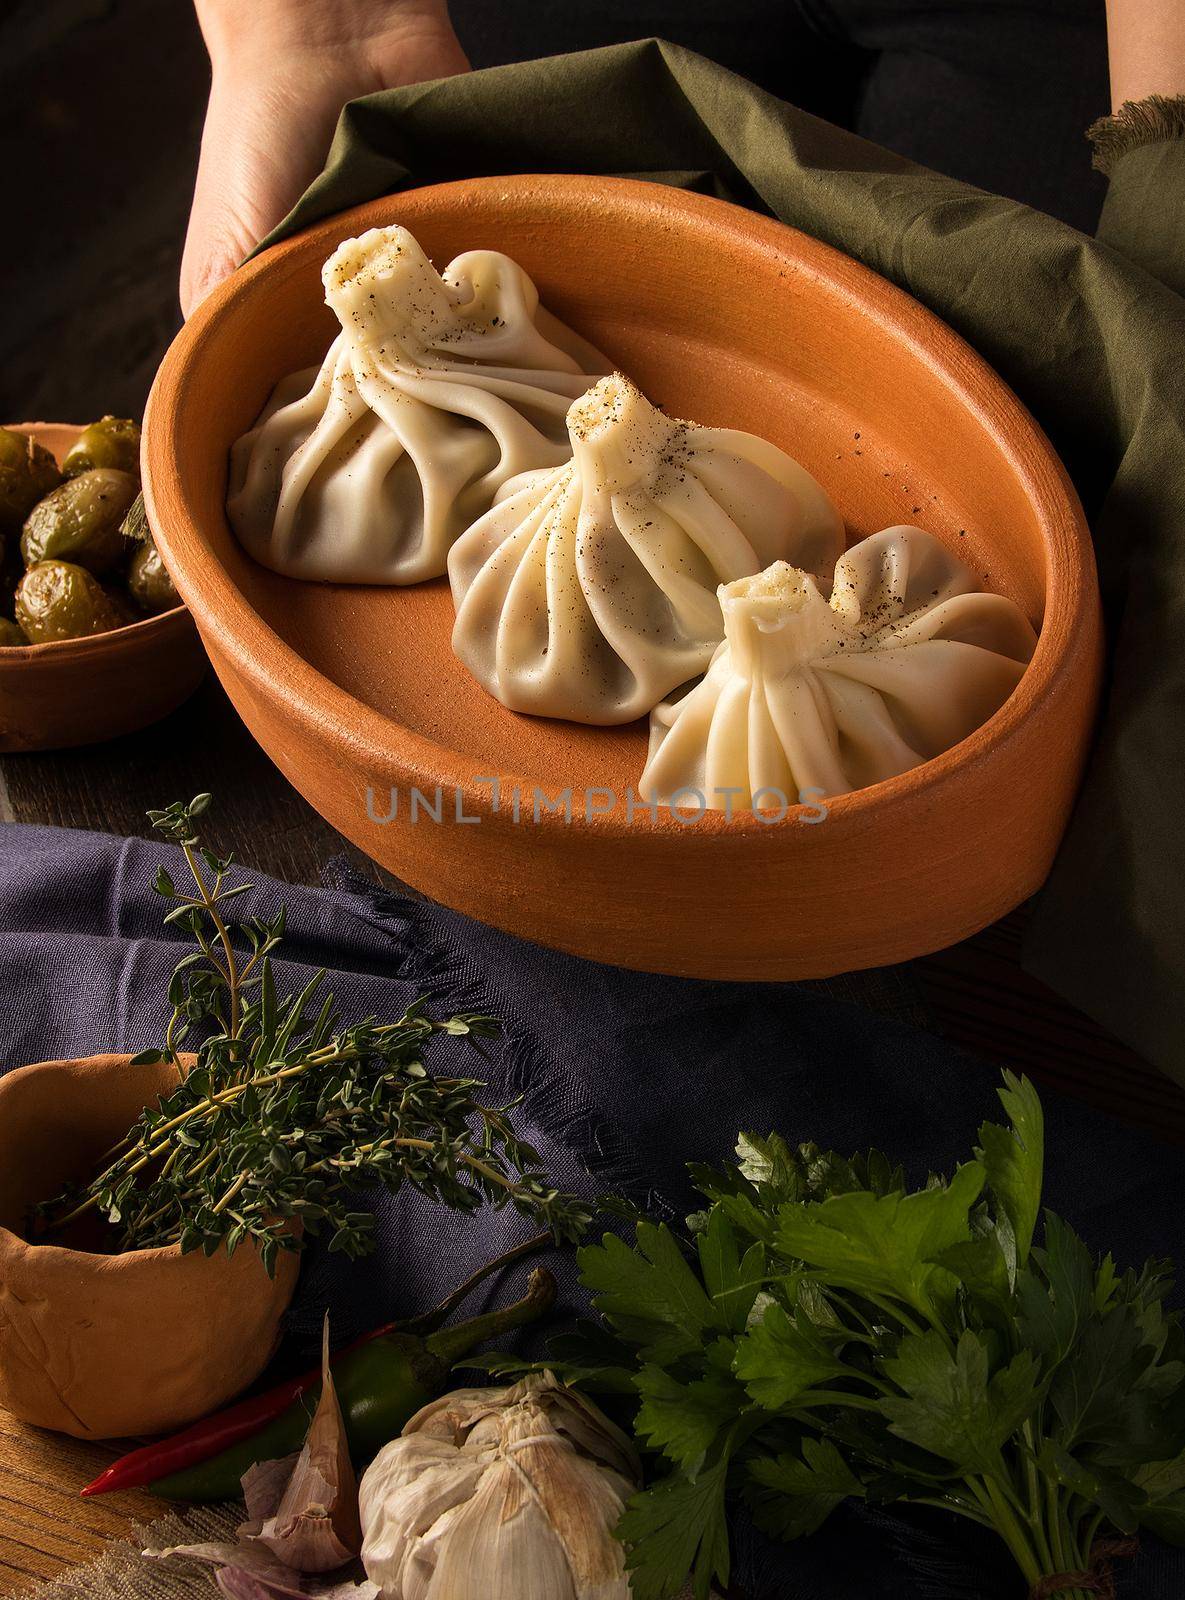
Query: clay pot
column 738, row 321
column 81, row 691
column 106, row 1346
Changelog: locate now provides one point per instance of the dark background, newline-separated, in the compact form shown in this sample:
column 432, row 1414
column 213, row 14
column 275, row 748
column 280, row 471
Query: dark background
column 101, row 105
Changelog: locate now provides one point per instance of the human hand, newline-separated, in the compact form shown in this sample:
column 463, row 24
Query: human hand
column 282, row 70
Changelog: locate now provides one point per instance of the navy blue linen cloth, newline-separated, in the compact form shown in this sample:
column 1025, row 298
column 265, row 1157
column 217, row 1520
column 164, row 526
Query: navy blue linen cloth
column 625, row 1077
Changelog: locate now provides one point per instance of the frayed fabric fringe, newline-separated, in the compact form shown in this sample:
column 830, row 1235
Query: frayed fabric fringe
column 544, row 1096
column 1137, row 122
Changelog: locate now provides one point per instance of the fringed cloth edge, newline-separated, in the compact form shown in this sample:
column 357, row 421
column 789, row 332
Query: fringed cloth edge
column 1137, row 122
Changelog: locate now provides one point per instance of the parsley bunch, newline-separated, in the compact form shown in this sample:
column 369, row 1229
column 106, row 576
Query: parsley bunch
column 286, row 1114
column 829, row 1335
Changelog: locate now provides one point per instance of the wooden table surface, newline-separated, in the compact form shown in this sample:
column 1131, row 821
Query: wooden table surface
column 44, row 1526
column 976, row 995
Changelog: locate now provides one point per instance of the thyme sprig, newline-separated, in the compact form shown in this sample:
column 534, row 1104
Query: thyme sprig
column 285, row 1114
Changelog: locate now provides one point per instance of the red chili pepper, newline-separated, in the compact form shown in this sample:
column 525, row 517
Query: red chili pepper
column 215, row 1433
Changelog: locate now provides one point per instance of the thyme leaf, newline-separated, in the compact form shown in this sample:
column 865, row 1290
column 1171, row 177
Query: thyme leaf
column 286, row 1115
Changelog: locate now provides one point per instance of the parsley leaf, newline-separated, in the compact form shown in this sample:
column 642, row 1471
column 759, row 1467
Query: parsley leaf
column 1163, row 1485
column 675, row 1528
column 951, row 1406
column 650, row 1294
column 794, row 1495
column 732, row 1280
column 828, row 1333
column 1055, row 1295
column 781, row 1360
column 883, row 1244
column 684, row 1420
column 1013, row 1159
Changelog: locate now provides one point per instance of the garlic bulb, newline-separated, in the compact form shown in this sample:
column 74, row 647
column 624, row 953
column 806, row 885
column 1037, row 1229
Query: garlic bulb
column 500, row 1494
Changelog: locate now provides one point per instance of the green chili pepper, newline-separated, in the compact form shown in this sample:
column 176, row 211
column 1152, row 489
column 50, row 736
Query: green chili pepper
column 380, row 1384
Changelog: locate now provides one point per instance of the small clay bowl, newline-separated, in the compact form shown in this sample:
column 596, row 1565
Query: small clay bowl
column 110, row 1346
column 81, row 691
column 738, row 321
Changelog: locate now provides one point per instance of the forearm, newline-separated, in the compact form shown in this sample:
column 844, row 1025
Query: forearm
column 1146, row 40
column 1141, row 146
column 354, row 29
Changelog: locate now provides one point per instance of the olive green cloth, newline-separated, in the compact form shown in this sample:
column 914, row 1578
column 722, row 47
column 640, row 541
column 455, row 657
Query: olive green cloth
column 1140, row 150
column 1090, row 339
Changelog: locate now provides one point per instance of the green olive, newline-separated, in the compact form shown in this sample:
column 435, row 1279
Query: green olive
column 110, row 442
column 81, row 521
column 149, row 582
column 58, row 600
column 27, row 472
column 11, row 633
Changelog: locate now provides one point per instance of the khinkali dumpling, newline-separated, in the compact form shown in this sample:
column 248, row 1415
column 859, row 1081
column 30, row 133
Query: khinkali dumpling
column 808, row 694
column 437, row 390
column 589, row 592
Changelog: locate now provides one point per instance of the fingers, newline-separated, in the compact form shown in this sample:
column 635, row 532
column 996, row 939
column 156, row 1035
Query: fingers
column 251, row 171
column 269, row 125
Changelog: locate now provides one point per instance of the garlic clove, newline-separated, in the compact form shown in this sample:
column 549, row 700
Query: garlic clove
column 430, row 1482
column 591, row 1431
column 501, row 1546
column 251, row 1572
column 456, row 1414
column 264, row 1485
column 314, row 1527
column 582, row 1505
column 428, row 1469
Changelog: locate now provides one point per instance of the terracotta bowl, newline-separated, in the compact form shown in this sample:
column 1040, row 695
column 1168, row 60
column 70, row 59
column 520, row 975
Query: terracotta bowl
column 107, row 1346
column 732, row 319
column 80, row 691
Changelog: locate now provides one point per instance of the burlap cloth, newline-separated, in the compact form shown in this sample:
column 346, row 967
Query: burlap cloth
column 122, row 1573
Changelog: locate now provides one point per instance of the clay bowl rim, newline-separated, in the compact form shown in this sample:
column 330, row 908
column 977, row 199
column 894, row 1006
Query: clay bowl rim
column 152, row 1252
column 384, row 744
column 156, row 1252
column 93, row 643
